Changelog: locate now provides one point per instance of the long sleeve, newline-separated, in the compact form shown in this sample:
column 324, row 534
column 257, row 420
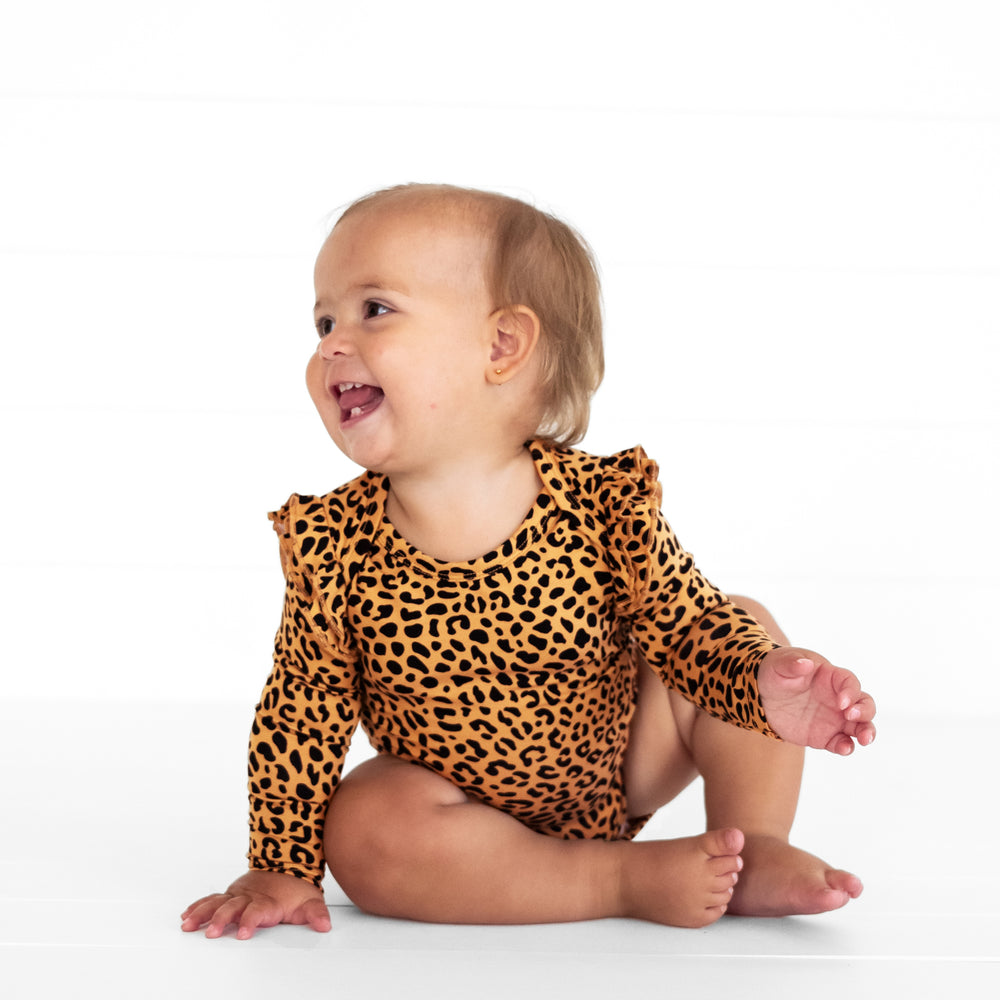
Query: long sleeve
column 310, row 705
column 688, row 631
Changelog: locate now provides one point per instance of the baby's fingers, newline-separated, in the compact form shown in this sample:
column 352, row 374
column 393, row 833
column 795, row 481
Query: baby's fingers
column 841, row 744
column 228, row 913
column 196, row 905
column 258, row 913
column 859, row 720
column 864, row 730
column 863, row 710
column 847, row 686
column 315, row 914
column 201, row 911
column 865, row 734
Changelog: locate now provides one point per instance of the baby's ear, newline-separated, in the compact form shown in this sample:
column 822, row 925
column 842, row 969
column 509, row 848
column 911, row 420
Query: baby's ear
column 516, row 330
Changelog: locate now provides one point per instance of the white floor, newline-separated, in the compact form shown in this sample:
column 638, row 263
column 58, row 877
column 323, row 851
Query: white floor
column 117, row 815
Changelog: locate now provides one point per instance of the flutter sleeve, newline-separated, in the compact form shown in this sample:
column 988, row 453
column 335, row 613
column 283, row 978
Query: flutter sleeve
column 310, row 705
column 688, row 631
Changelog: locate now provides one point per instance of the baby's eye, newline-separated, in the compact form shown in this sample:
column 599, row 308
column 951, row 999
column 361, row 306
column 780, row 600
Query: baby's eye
column 373, row 310
column 324, row 326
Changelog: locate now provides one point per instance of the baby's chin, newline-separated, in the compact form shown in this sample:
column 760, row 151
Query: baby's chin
column 363, row 446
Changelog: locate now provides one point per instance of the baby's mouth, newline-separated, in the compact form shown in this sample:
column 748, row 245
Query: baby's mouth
column 357, row 400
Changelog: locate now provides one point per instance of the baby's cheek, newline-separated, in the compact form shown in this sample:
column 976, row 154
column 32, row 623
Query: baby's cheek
column 325, row 404
column 314, row 380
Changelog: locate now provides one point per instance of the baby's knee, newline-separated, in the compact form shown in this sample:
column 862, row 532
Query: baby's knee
column 762, row 614
column 748, row 604
column 378, row 826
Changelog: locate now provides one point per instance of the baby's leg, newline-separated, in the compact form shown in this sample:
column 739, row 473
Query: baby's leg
column 751, row 783
column 403, row 841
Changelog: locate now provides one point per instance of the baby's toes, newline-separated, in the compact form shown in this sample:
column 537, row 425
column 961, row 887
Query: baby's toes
column 843, row 881
column 727, row 842
column 726, row 869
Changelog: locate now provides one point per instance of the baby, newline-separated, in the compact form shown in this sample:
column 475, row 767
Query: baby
column 537, row 661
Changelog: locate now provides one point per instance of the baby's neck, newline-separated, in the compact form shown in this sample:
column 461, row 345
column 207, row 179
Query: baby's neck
column 461, row 516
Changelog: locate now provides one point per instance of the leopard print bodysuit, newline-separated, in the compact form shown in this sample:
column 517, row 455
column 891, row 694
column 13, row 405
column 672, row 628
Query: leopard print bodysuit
column 512, row 675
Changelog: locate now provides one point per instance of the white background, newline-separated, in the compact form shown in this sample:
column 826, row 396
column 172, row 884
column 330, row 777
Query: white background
column 796, row 207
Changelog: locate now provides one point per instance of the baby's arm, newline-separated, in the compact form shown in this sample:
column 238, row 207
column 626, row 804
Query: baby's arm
column 303, row 727
column 724, row 661
column 812, row 703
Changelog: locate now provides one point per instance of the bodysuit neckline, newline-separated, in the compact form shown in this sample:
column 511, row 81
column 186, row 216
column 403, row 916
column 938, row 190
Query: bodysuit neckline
column 530, row 531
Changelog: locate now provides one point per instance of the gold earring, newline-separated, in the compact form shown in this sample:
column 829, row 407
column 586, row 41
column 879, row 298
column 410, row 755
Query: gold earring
column 499, row 371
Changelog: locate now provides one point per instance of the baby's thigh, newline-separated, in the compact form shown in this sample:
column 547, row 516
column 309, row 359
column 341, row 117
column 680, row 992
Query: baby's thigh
column 387, row 789
column 658, row 763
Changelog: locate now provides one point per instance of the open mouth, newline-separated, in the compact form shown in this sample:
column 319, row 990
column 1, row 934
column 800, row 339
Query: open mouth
column 357, row 400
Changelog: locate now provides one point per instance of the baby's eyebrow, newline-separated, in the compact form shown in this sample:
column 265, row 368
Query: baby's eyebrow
column 372, row 285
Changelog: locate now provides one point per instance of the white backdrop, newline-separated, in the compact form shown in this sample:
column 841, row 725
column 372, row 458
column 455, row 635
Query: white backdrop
column 796, row 207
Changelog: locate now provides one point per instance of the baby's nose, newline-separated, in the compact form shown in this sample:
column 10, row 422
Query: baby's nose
column 330, row 346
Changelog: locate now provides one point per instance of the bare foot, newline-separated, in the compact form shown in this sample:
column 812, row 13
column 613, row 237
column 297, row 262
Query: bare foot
column 686, row 882
column 779, row 880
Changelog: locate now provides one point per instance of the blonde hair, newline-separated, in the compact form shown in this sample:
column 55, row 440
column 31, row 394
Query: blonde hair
column 538, row 261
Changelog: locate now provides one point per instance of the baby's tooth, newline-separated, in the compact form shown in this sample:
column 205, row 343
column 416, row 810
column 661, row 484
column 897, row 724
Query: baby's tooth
column 356, row 411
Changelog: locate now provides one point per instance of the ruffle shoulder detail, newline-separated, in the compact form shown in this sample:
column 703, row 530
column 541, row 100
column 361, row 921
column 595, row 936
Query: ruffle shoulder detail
column 323, row 540
column 616, row 500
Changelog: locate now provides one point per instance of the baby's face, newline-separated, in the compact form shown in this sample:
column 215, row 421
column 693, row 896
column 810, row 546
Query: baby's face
column 403, row 316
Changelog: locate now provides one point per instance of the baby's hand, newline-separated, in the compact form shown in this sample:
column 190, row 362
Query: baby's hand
column 258, row 899
column 810, row 702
